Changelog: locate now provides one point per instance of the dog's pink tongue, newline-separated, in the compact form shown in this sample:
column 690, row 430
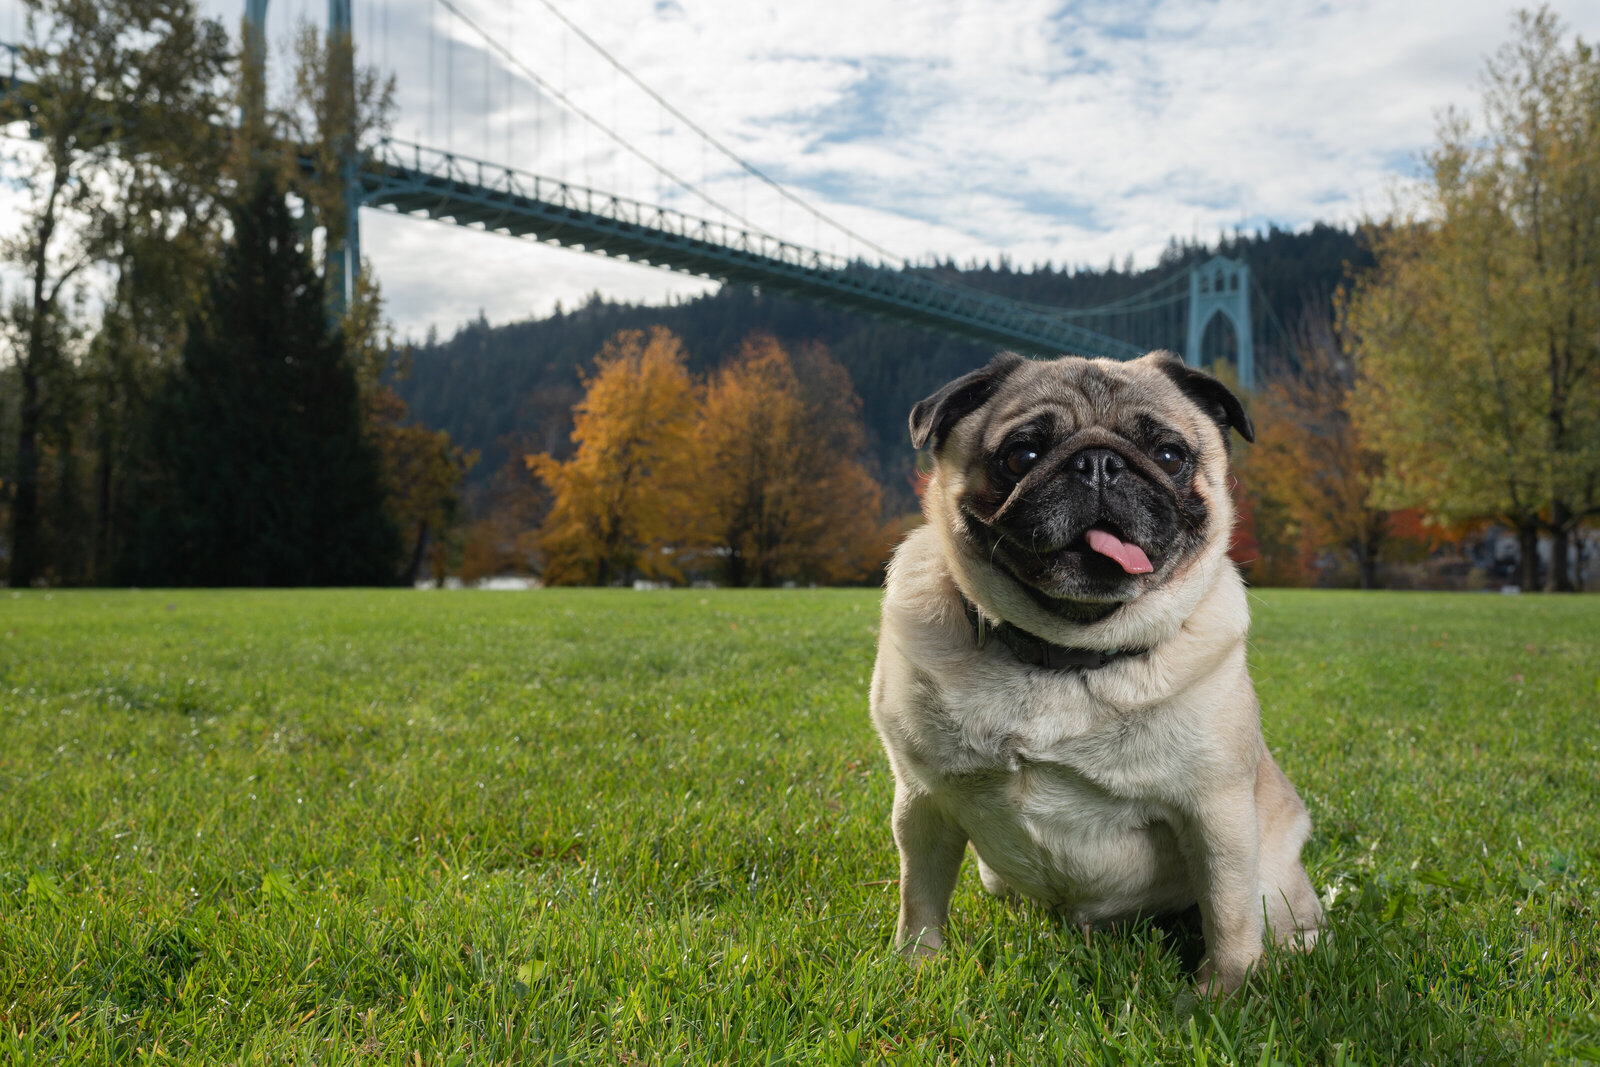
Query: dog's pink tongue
column 1130, row 558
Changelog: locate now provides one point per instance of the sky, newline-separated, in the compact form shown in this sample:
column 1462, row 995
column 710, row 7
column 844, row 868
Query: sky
column 1072, row 133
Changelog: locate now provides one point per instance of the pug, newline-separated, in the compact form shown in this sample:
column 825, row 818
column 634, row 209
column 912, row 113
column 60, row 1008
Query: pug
column 1061, row 678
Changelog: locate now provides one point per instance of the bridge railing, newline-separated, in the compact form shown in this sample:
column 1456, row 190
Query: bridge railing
column 494, row 177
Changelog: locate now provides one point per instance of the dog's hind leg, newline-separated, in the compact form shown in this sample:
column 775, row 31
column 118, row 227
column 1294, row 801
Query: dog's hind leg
column 992, row 882
column 1293, row 912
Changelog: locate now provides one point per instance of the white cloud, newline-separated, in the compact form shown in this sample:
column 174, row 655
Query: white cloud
column 1073, row 132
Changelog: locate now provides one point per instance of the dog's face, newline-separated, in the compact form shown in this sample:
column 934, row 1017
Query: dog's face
column 1082, row 483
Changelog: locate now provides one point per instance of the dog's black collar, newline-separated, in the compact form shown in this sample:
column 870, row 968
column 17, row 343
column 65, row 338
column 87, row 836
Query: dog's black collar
column 1038, row 652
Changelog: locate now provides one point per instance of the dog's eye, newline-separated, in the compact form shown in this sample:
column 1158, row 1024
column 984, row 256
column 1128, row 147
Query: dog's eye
column 1021, row 459
column 1169, row 459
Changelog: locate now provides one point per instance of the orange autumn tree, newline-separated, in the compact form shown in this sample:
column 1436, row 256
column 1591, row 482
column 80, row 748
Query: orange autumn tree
column 1310, row 471
column 779, row 492
column 620, row 500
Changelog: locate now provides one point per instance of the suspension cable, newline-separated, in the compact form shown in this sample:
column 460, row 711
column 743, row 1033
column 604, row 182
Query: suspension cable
column 572, row 105
column 718, row 145
column 1142, row 301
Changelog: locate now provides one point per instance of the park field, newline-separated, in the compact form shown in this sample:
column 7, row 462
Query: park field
column 606, row 826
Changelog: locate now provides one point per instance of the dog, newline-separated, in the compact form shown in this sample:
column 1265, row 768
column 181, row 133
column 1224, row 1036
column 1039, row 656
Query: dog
column 1061, row 677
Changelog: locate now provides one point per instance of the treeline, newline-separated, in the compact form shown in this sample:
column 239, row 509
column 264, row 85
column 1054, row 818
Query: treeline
column 182, row 404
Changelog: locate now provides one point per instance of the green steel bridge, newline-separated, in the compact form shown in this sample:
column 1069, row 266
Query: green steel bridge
column 413, row 180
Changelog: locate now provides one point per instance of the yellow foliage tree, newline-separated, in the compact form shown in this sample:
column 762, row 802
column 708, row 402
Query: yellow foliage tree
column 779, row 492
column 620, row 500
column 1478, row 328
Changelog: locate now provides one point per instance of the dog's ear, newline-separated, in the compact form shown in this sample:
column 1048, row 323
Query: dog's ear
column 933, row 418
column 1214, row 398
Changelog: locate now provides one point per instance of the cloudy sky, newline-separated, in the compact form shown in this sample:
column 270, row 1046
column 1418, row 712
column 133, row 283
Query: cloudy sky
column 1069, row 132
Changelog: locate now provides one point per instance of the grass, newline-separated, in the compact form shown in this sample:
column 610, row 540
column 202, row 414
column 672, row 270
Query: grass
column 618, row 827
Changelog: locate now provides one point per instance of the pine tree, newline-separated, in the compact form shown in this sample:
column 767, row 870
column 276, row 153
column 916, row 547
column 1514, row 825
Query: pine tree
column 264, row 476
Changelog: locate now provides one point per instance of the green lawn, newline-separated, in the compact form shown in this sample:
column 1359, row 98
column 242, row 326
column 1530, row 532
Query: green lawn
column 620, row 827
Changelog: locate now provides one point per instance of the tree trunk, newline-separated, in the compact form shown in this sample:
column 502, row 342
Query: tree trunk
column 736, row 576
column 25, row 502
column 1368, row 546
column 417, row 554
column 1528, row 545
column 1559, row 579
column 71, row 526
column 26, row 564
column 102, row 551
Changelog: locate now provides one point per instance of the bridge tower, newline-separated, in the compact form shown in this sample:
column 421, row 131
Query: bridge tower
column 1221, row 286
column 344, row 253
column 344, row 248
column 255, row 56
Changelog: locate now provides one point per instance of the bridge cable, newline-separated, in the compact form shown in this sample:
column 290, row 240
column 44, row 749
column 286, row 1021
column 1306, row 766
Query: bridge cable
column 706, row 138
column 509, row 84
column 449, row 88
column 718, row 145
column 488, row 109
column 1125, row 304
column 1272, row 313
column 596, row 123
column 432, row 37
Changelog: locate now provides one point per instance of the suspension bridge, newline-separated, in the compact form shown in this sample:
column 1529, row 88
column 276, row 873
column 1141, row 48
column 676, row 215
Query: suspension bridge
column 717, row 242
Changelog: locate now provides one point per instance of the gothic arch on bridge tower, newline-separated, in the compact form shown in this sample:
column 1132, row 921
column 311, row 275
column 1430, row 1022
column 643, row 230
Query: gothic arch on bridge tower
column 1221, row 286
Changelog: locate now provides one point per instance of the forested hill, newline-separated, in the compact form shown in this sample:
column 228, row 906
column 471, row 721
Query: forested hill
column 499, row 388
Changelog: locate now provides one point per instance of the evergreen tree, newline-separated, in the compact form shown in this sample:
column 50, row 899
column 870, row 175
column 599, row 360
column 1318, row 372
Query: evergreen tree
column 489, row 386
column 264, row 476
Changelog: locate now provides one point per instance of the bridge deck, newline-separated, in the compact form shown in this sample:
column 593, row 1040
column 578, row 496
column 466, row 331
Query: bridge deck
column 414, row 180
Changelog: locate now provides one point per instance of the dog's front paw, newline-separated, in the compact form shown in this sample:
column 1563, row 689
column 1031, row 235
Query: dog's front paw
column 1217, row 982
column 915, row 946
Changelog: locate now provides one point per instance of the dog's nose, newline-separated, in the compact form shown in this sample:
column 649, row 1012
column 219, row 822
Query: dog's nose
column 1098, row 466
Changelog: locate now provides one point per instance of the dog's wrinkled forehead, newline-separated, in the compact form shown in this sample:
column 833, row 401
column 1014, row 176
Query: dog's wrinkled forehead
column 1080, row 393
column 1069, row 395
